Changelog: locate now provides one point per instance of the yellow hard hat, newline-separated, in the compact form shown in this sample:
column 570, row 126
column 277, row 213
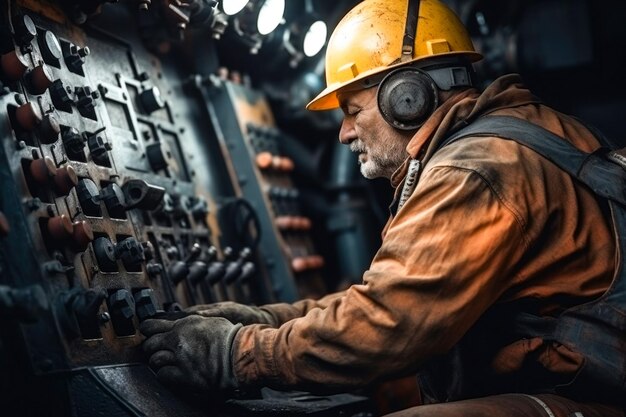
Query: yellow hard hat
column 369, row 41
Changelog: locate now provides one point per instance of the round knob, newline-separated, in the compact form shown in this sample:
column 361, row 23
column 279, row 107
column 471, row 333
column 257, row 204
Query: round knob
column 13, row 66
column 299, row 264
column 276, row 162
column 39, row 79
column 264, row 160
column 315, row 261
column 82, row 235
column 178, row 271
column 151, row 99
column 50, row 47
column 43, row 169
column 286, row 164
column 49, row 129
column 28, row 116
column 25, row 29
column 65, row 180
column 60, row 227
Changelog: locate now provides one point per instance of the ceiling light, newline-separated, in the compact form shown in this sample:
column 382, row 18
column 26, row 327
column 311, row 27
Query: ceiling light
column 270, row 16
column 314, row 38
column 232, row 7
column 305, row 37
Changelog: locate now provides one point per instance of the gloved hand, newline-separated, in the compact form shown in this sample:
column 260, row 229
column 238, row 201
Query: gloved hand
column 235, row 313
column 193, row 352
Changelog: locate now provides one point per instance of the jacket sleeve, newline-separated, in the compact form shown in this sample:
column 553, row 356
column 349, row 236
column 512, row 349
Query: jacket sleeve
column 446, row 257
column 283, row 312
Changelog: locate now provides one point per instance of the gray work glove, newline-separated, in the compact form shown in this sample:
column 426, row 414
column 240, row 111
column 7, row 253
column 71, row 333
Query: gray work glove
column 235, row 313
column 193, row 352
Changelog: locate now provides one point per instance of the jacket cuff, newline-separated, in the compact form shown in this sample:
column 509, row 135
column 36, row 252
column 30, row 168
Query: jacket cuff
column 253, row 356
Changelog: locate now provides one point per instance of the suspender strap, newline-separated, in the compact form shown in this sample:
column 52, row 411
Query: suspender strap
column 604, row 177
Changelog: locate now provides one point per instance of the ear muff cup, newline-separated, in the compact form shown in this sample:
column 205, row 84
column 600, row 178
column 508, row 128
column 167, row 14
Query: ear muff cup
column 407, row 97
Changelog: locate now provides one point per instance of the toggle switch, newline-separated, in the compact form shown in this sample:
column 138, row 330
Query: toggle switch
column 105, row 254
column 78, row 312
column 156, row 157
column 139, row 194
column 114, row 199
column 60, row 96
column 131, row 253
column 73, row 142
column 75, row 57
column 146, row 305
column 197, row 272
column 89, row 197
column 98, row 149
column 24, row 304
column 122, row 310
column 178, row 272
column 86, row 101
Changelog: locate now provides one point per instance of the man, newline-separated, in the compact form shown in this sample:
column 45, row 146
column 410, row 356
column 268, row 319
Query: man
column 482, row 229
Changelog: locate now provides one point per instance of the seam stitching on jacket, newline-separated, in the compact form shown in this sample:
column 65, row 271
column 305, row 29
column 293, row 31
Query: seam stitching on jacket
column 485, row 179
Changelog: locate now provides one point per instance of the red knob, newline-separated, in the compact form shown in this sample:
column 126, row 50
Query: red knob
column 299, row 264
column 60, row 227
column 264, row 160
column 65, row 179
column 43, row 169
column 39, row 79
column 13, row 66
column 28, row 116
column 82, row 235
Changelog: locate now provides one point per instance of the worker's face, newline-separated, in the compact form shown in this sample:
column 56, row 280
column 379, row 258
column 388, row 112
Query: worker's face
column 381, row 148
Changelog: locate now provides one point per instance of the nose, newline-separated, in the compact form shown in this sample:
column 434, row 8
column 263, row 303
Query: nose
column 347, row 133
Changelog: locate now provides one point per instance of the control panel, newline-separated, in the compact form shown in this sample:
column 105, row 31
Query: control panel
column 131, row 186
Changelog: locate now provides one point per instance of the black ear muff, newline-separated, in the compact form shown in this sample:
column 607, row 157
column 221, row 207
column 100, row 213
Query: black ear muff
column 407, row 97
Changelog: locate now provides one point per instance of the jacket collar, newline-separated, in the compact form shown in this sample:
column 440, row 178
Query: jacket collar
column 459, row 111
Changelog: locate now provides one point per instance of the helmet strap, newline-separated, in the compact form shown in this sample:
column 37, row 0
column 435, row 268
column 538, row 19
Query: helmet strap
column 410, row 30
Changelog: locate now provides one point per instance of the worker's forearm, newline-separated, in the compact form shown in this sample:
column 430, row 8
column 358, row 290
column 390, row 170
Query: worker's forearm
column 283, row 312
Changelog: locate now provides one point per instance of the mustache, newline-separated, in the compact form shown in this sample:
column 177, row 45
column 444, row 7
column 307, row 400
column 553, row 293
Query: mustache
column 358, row 147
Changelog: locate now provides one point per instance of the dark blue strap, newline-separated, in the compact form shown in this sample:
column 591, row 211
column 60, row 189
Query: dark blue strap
column 605, row 178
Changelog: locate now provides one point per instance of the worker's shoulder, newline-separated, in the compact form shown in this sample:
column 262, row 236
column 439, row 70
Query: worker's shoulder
column 483, row 153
